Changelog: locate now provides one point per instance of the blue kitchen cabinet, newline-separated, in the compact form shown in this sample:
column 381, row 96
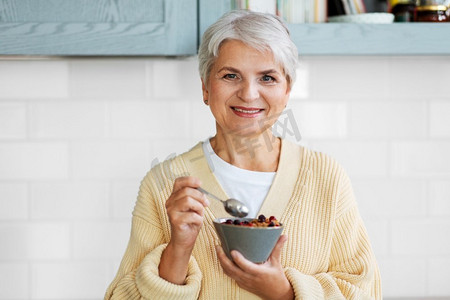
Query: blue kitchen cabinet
column 174, row 27
column 98, row 27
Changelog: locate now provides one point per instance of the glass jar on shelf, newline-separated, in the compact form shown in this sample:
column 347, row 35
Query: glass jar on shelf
column 431, row 13
column 447, row 3
column 403, row 10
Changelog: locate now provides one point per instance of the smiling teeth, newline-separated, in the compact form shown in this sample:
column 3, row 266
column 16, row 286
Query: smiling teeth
column 246, row 111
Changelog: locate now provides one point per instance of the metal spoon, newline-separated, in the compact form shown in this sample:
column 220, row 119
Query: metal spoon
column 232, row 206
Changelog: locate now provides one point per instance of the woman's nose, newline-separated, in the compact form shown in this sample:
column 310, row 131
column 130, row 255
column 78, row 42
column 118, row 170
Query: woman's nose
column 248, row 91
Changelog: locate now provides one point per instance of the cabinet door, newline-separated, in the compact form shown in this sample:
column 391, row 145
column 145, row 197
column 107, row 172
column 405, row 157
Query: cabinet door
column 210, row 11
column 98, row 27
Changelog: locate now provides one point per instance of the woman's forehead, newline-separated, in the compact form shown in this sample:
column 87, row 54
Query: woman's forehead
column 235, row 54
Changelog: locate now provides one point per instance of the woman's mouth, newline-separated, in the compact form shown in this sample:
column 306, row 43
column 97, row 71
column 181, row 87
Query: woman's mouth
column 246, row 112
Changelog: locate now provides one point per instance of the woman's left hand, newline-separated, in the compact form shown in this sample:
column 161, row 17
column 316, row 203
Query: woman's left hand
column 266, row 280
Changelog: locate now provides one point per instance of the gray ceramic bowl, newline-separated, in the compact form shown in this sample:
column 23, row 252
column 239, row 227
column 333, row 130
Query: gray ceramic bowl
column 254, row 243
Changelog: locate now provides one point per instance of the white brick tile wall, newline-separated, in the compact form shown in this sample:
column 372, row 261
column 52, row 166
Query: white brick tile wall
column 378, row 230
column 68, row 120
column 349, row 78
column 388, row 120
column 34, row 160
column 165, row 81
column 76, row 143
column 164, row 149
column 35, row 241
column 302, row 87
column 406, row 77
column 150, row 119
column 14, row 283
column 439, row 278
column 101, row 239
column 440, row 198
column 439, row 118
column 107, row 79
column 24, row 79
column 391, row 198
column 417, row 158
column 360, row 159
column 420, row 237
column 73, row 280
column 404, row 277
column 203, row 122
column 110, row 159
column 13, row 201
column 123, row 198
column 176, row 79
column 320, row 119
column 71, row 200
column 13, row 120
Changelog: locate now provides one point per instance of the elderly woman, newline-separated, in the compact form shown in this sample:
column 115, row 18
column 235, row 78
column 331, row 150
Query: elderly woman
column 247, row 66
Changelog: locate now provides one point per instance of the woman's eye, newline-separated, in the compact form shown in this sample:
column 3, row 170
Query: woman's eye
column 230, row 76
column 267, row 78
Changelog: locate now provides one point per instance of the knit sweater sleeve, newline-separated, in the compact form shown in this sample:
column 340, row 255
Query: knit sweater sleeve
column 138, row 275
column 352, row 270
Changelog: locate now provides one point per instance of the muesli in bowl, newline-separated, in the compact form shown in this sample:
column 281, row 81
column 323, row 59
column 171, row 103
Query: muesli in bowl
column 253, row 238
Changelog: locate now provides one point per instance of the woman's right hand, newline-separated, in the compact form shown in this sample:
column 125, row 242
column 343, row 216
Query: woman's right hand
column 185, row 208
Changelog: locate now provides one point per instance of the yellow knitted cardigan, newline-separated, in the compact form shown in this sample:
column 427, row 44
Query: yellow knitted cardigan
column 327, row 256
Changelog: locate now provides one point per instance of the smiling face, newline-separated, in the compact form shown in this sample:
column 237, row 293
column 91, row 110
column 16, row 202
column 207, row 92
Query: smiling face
column 246, row 90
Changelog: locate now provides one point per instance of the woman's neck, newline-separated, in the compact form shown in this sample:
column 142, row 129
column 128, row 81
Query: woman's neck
column 256, row 153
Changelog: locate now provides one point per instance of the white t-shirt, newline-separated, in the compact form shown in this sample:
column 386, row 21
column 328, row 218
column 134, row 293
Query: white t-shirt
column 250, row 187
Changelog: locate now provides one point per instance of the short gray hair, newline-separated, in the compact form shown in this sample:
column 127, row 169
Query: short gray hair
column 261, row 31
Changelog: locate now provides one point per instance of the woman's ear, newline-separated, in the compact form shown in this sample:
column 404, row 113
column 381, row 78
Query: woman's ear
column 289, row 86
column 205, row 92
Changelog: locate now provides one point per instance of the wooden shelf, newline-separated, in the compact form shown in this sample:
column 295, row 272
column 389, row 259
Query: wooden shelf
column 372, row 39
